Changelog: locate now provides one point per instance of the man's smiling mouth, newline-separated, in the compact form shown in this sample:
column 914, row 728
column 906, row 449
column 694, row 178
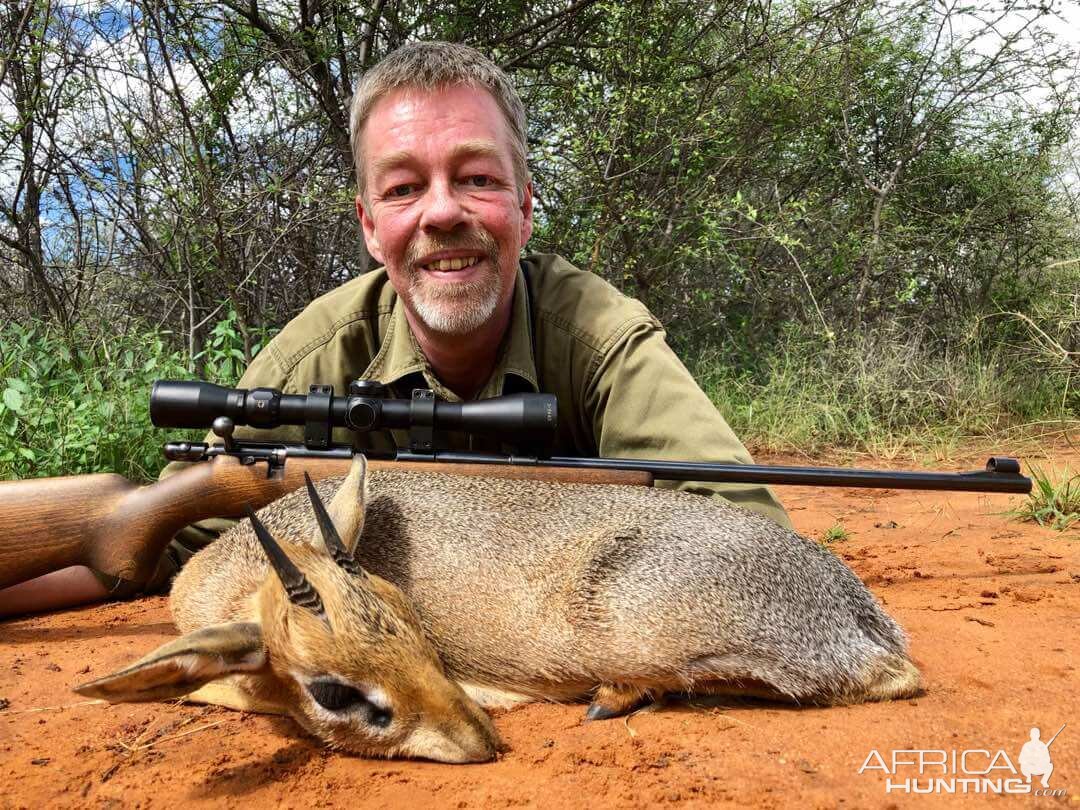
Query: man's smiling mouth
column 443, row 265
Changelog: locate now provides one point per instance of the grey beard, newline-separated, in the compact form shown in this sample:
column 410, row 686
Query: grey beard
column 457, row 309
column 454, row 315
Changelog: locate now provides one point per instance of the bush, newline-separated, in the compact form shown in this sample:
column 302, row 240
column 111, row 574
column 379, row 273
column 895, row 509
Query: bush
column 65, row 412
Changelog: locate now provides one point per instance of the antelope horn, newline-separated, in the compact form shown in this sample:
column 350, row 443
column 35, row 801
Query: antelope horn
column 330, row 534
column 297, row 587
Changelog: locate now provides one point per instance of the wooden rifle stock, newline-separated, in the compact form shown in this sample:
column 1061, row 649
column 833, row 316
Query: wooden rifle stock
column 110, row 524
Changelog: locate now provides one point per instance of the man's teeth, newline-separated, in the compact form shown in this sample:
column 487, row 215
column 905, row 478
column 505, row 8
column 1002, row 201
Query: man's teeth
column 453, row 264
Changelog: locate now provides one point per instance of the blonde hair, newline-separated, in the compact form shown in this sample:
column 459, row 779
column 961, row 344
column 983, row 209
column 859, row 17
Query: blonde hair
column 428, row 66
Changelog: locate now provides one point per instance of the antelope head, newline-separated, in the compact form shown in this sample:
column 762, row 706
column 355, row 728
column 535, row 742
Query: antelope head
column 339, row 649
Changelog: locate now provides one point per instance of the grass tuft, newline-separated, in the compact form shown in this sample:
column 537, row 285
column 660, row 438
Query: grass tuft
column 65, row 412
column 70, row 410
column 1052, row 502
column 835, row 534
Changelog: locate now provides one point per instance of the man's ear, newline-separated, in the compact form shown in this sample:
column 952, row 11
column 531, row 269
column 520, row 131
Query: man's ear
column 368, row 224
column 526, row 213
column 183, row 665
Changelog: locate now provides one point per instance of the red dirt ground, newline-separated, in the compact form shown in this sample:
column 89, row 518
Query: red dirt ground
column 992, row 608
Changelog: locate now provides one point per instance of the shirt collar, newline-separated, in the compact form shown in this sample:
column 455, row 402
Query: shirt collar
column 399, row 354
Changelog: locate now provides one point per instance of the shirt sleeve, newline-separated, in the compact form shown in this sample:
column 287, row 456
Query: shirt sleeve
column 644, row 403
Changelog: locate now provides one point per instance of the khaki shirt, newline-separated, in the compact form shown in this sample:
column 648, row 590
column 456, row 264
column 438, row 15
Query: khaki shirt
column 621, row 390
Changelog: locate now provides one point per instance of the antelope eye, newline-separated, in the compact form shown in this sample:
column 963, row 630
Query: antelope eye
column 380, row 718
column 334, row 696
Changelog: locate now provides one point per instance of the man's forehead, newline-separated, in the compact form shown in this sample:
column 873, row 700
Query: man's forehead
column 403, row 105
column 462, row 150
column 407, row 109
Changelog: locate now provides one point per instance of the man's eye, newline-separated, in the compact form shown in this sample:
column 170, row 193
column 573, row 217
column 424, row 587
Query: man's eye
column 479, row 180
column 334, row 696
column 404, row 190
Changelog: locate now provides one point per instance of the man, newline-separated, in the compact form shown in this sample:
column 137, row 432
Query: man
column 445, row 202
column 1035, row 758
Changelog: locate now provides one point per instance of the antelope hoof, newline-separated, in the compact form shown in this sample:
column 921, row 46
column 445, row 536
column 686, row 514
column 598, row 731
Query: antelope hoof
column 615, row 701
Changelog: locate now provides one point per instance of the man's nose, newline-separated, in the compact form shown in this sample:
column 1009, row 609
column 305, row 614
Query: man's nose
column 443, row 210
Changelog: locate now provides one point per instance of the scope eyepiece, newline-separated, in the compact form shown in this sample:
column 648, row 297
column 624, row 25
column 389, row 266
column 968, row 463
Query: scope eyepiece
column 194, row 404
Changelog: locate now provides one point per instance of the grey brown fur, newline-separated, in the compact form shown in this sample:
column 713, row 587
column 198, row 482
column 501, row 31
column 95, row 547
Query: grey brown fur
column 551, row 591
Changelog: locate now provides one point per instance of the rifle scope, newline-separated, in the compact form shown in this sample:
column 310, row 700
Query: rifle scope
column 196, row 404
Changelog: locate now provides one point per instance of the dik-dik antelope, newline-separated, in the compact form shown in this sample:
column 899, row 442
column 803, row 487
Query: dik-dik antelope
column 453, row 589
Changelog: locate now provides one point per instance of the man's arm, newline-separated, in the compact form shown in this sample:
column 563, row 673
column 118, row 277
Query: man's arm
column 644, row 403
column 80, row 584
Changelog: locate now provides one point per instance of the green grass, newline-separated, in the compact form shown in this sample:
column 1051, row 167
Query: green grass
column 878, row 395
column 835, row 534
column 70, row 410
column 1054, row 501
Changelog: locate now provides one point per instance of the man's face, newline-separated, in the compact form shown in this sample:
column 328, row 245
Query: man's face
column 442, row 209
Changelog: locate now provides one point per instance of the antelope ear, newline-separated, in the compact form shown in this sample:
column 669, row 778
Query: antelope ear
column 349, row 503
column 183, row 665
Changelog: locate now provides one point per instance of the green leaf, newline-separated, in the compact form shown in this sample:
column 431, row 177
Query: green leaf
column 13, row 399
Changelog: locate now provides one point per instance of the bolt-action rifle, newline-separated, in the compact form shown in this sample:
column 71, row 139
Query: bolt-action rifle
column 51, row 523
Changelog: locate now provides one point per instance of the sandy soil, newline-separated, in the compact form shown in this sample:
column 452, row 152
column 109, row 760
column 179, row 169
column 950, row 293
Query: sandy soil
column 992, row 607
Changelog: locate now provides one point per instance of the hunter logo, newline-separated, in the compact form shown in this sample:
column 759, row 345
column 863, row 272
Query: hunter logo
column 976, row 770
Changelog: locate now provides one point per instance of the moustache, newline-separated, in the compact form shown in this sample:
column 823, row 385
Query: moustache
column 480, row 240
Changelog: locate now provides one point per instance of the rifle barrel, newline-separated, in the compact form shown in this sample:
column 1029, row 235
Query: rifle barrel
column 1001, row 473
